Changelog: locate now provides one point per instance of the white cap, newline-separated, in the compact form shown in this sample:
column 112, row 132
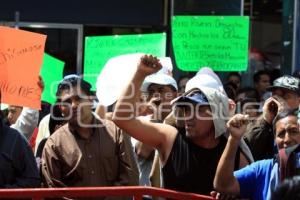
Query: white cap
column 160, row 79
column 205, row 78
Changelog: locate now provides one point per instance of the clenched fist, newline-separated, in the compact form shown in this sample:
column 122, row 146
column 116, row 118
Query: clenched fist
column 237, row 125
column 271, row 108
column 148, row 65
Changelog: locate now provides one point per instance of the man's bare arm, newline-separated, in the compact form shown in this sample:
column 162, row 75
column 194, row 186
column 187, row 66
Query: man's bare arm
column 157, row 135
column 224, row 181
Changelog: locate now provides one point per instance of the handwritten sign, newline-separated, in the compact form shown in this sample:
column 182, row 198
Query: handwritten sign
column 21, row 57
column 52, row 74
column 99, row 49
column 218, row 42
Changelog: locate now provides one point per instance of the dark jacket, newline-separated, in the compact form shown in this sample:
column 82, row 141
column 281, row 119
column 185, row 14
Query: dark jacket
column 260, row 139
column 18, row 168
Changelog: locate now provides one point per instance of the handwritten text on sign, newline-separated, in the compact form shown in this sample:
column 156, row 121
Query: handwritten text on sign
column 218, row 42
column 21, row 56
column 99, row 49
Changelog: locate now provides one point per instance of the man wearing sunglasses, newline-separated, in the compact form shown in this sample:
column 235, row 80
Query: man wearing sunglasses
column 189, row 155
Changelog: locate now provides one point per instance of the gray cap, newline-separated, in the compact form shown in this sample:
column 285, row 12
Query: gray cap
column 286, row 82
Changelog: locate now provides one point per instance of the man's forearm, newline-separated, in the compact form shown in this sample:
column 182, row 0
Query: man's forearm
column 124, row 107
column 224, row 179
column 27, row 121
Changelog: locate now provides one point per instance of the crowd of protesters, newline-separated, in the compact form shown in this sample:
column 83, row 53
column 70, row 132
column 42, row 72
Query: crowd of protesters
column 201, row 135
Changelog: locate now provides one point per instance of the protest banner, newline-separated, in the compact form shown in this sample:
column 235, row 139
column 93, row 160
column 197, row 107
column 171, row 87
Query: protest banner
column 21, row 57
column 52, row 74
column 214, row 41
column 99, row 49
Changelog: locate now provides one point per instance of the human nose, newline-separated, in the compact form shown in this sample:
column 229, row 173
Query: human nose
column 287, row 140
column 155, row 99
column 74, row 105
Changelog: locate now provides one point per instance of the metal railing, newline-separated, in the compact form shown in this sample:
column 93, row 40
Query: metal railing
column 137, row 192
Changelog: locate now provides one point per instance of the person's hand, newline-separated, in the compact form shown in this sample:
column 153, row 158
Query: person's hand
column 145, row 109
column 41, row 83
column 237, row 125
column 222, row 196
column 148, row 65
column 270, row 109
column 232, row 107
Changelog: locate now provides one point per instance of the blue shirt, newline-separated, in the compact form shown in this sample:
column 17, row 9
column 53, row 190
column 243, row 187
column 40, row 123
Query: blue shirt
column 255, row 179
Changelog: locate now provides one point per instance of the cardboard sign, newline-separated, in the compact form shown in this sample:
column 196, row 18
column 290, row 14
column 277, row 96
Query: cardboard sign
column 217, row 42
column 52, row 74
column 21, row 57
column 99, row 49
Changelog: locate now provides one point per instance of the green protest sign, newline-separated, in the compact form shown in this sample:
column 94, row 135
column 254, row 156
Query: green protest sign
column 214, row 41
column 52, row 73
column 99, row 49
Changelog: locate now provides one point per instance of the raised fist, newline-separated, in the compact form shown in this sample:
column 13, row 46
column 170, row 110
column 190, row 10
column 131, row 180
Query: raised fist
column 237, row 125
column 270, row 109
column 149, row 65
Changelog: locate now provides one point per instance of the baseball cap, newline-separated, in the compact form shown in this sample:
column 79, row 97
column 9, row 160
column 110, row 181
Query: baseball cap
column 205, row 78
column 195, row 97
column 286, row 82
column 71, row 80
column 160, row 79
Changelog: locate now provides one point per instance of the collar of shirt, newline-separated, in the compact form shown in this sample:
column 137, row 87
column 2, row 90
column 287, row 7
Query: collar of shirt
column 74, row 131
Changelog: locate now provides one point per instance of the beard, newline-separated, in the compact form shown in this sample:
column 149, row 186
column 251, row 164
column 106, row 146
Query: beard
column 74, row 119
